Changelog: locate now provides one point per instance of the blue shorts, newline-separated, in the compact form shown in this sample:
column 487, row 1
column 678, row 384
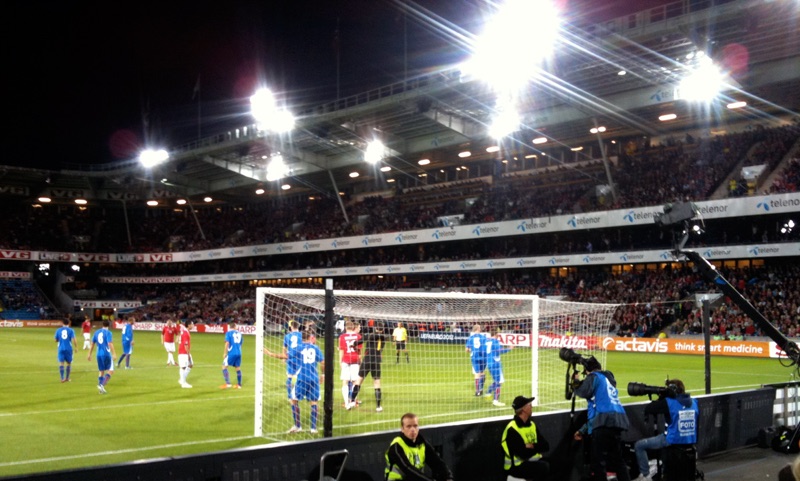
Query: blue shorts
column 234, row 360
column 292, row 367
column 104, row 363
column 497, row 373
column 65, row 356
column 478, row 365
column 306, row 391
column 127, row 348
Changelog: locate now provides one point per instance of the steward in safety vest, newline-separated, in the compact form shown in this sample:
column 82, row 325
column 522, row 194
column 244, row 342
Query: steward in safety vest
column 409, row 454
column 523, row 445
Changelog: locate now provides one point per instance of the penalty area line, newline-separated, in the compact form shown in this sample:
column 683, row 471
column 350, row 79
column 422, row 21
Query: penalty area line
column 122, row 451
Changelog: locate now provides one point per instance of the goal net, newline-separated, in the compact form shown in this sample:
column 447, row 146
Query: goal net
column 432, row 375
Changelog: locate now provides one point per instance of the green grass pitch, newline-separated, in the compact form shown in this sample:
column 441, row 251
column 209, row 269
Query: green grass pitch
column 47, row 425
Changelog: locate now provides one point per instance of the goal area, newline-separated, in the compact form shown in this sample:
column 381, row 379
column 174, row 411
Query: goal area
column 433, row 377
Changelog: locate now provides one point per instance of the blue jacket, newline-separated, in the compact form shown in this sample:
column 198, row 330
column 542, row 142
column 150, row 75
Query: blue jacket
column 599, row 388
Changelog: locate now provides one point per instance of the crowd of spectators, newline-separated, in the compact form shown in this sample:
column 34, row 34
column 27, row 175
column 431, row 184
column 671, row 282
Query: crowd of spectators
column 652, row 301
column 675, row 171
column 20, row 299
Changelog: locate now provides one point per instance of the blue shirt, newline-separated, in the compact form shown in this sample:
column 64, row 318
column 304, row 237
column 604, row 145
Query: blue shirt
column 475, row 344
column 234, row 340
column 64, row 336
column 102, row 337
column 292, row 342
column 127, row 334
column 493, row 350
column 310, row 356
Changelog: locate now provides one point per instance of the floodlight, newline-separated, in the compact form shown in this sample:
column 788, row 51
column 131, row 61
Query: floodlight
column 737, row 105
column 667, row 117
column 277, row 168
column 539, row 140
column 424, row 161
column 267, row 114
column 375, row 152
column 286, row 187
column 464, row 154
column 152, row 157
column 703, row 84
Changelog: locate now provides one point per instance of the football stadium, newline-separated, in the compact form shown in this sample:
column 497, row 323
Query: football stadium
column 568, row 226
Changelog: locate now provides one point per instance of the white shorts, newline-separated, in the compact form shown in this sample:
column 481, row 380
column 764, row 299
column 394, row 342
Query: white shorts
column 185, row 360
column 87, row 336
column 169, row 346
column 349, row 372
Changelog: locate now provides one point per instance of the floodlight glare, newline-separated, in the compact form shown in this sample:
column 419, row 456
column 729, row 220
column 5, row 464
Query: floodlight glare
column 267, row 114
column 737, row 105
column 375, row 152
column 496, row 59
column 667, row 117
column 505, row 122
column 277, row 168
column 702, row 85
column 152, row 157
column 539, row 140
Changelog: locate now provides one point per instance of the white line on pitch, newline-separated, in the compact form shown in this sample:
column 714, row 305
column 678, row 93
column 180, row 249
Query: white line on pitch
column 121, row 451
column 179, row 401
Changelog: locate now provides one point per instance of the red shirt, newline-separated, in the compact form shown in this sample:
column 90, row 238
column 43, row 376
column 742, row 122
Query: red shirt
column 168, row 332
column 186, row 340
column 350, row 345
column 87, row 327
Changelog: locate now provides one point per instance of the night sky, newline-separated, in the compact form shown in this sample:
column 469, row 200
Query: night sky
column 93, row 82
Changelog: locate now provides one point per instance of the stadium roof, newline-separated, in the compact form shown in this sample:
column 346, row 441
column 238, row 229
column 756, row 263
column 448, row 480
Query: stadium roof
column 440, row 113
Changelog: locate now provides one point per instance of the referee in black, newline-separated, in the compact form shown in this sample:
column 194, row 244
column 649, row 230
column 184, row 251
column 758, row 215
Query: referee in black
column 374, row 341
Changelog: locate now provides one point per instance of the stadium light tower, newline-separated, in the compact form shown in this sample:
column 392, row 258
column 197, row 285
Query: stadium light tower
column 267, row 114
column 375, row 152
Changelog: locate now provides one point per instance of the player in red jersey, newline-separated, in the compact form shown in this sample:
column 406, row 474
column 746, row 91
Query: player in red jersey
column 185, row 353
column 168, row 333
column 349, row 357
column 86, row 327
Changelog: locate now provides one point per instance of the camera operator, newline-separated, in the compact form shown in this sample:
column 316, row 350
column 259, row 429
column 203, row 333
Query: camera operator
column 607, row 420
column 680, row 412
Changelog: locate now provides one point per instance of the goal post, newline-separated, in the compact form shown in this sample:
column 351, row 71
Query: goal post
column 433, row 376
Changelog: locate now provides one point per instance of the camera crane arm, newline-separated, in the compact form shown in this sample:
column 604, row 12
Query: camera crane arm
column 710, row 273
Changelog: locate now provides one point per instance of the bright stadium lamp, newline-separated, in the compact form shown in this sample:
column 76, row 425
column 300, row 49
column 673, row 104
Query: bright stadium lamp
column 267, row 114
column 703, row 84
column 497, row 59
column 277, row 168
column 152, row 157
column 375, row 152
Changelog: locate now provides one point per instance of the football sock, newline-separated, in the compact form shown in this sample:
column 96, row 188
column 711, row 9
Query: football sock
column 296, row 414
column 378, row 396
column 314, row 411
column 69, row 371
column 346, row 393
column 239, row 377
column 355, row 392
column 477, row 385
column 226, row 376
column 61, row 371
column 497, row 392
column 289, row 387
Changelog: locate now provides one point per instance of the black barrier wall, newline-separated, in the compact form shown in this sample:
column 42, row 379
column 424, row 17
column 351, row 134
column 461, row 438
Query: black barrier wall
column 472, row 450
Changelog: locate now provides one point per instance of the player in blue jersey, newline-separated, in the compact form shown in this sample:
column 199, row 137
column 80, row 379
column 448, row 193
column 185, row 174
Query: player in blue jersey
column 308, row 381
column 475, row 347
column 106, row 355
column 291, row 348
column 494, row 348
column 127, row 343
column 67, row 345
column 232, row 357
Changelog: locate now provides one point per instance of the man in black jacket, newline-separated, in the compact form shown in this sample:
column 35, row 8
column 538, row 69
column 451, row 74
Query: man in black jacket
column 523, row 444
column 409, row 454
